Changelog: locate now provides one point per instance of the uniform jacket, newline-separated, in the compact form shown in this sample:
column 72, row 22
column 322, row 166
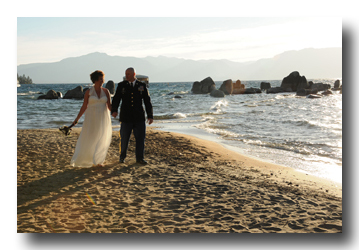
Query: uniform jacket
column 131, row 107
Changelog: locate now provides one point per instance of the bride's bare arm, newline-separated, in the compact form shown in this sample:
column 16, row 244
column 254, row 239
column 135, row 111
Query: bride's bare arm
column 84, row 106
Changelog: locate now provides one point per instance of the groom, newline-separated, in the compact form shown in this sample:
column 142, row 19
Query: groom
column 132, row 116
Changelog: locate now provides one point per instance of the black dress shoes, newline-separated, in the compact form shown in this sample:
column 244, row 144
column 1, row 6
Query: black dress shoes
column 141, row 162
column 122, row 160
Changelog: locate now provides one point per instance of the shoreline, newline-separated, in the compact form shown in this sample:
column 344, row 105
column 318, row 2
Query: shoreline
column 186, row 129
column 189, row 185
column 266, row 167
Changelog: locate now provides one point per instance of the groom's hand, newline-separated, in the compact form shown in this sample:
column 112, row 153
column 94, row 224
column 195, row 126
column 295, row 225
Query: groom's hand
column 150, row 121
column 114, row 114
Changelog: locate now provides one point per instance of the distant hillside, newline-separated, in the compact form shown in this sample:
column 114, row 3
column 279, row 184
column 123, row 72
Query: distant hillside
column 312, row 63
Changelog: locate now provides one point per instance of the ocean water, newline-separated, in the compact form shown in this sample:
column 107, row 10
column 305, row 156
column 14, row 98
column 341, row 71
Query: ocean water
column 298, row 132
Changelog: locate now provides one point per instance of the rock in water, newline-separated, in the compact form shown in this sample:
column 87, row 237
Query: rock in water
column 217, row 93
column 203, row 87
column 196, row 88
column 227, row 87
column 76, row 93
column 275, row 90
column 238, row 87
column 320, row 86
column 294, row 81
column 337, row 84
column 305, row 92
column 207, row 85
column 265, row 85
column 51, row 94
column 110, row 85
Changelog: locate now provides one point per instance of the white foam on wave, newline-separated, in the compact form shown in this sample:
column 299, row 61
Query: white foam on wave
column 179, row 115
column 218, row 105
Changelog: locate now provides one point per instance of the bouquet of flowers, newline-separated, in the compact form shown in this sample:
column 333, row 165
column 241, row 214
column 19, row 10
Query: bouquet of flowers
column 67, row 129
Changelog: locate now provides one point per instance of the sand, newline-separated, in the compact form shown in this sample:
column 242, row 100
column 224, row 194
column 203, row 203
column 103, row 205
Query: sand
column 189, row 186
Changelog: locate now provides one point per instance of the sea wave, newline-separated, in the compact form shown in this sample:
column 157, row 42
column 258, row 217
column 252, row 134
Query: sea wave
column 170, row 116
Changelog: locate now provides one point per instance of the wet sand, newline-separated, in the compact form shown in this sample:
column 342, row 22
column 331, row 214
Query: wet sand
column 189, row 186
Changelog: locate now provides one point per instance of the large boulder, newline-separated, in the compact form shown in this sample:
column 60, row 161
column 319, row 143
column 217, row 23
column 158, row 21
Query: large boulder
column 203, row 87
column 217, row 93
column 208, row 85
column 76, row 93
column 227, row 87
column 337, row 84
column 110, row 85
column 294, row 81
column 197, row 88
column 265, row 85
column 238, row 88
column 51, row 94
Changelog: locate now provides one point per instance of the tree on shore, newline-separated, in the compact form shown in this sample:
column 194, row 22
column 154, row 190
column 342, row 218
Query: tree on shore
column 24, row 79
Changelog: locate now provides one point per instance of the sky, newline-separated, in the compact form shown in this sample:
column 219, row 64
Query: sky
column 239, row 39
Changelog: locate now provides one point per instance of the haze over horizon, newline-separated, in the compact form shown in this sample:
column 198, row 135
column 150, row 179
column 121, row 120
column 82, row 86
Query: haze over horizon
column 312, row 63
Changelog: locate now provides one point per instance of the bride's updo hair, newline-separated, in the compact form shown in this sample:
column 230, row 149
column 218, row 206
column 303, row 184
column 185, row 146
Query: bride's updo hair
column 96, row 75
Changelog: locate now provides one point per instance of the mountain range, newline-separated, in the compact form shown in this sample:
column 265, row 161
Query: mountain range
column 312, row 63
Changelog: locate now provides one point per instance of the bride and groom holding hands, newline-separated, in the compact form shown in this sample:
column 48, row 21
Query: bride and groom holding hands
column 95, row 137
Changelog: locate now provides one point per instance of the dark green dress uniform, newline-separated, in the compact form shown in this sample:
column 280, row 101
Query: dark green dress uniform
column 132, row 115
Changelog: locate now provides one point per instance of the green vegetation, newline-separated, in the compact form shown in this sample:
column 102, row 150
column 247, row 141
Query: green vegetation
column 24, row 80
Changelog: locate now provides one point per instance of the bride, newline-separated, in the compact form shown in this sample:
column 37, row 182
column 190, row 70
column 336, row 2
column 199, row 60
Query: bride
column 95, row 137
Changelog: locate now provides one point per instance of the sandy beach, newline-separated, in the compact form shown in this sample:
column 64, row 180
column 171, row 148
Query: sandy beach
column 189, row 186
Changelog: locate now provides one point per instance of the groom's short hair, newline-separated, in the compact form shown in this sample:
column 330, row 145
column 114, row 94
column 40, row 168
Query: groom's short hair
column 96, row 75
column 131, row 69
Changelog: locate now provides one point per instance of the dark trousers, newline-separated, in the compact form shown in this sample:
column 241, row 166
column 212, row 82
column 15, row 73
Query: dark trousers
column 139, row 131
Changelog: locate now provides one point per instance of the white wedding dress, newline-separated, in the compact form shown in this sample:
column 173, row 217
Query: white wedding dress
column 95, row 137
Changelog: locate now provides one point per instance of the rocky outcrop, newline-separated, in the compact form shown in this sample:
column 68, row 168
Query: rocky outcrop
column 265, row 85
column 227, row 87
column 293, row 82
column 337, row 84
column 320, row 86
column 238, row 87
column 203, row 87
column 59, row 94
column 76, row 93
column 110, row 85
column 217, row 93
column 51, row 94
column 196, row 88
